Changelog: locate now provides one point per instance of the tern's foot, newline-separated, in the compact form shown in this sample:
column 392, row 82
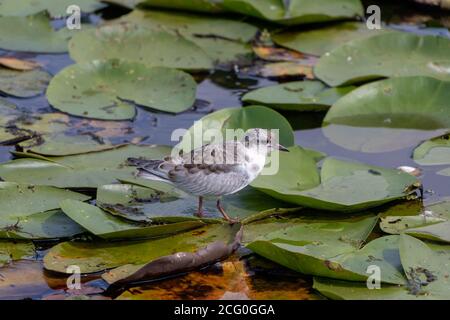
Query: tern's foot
column 199, row 214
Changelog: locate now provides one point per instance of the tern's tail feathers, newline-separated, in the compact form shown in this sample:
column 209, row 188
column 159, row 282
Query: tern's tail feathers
column 149, row 169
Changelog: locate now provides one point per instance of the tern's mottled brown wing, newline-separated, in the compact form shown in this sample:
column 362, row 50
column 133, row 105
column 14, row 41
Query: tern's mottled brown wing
column 227, row 153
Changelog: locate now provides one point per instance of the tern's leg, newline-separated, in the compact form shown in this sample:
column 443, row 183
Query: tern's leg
column 199, row 212
column 225, row 215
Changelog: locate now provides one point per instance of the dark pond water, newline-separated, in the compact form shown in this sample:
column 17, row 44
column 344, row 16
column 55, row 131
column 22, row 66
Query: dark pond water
column 248, row 275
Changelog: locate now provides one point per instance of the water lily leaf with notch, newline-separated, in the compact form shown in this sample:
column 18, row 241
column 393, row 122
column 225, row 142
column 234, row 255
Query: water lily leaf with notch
column 433, row 152
column 389, row 115
column 206, row 129
column 33, row 33
column 223, row 40
column 386, row 55
column 142, row 204
column 331, row 248
column 53, row 224
column 106, row 226
column 135, row 43
column 102, row 255
column 102, row 90
column 19, row 200
column 10, row 251
column 297, row 96
column 319, row 41
column 23, row 84
column 88, row 170
column 297, row 11
column 345, row 186
column 433, row 223
column 54, row 8
column 426, row 266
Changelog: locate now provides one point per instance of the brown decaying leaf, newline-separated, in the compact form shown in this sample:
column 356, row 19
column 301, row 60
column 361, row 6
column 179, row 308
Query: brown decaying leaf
column 183, row 261
column 278, row 54
column 18, row 64
column 286, row 69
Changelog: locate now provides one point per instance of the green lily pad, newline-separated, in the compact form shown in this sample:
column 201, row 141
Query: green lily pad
column 293, row 12
column 19, row 200
column 142, row 204
column 10, row 251
column 433, row 152
column 103, row 90
column 428, row 272
column 389, row 115
column 345, row 186
column 135, row 43
column 99, row 256
column 61, row 144
column 88, row 170
column 347, row 290
column 207, row 128
column 52, row 224
column 296, row 11
column 23, row 84
column 106, row 226
column 55, row 8
column 33, row 33
column 426, row 267
column 296, row 171
column 331, row 248
column 386, row 55
column 191, row 5
column 319, row 41
column 223, row 40
column 297, row 96
column 433, row 223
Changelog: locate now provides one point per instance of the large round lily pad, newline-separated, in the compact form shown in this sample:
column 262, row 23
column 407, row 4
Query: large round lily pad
column 344, row 186
column 319, row 41
column 32, row 33
column 205, row 130
column 23, row 84
column 88, row 170
column 390, row 114
column 106, row 90
column 297, row 96
column 134, row 43
column 223, row 40
column 55, row 8
column 391, row 54
column 296, row 11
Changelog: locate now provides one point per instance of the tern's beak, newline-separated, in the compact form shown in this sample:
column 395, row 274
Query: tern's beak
column 281, row 148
